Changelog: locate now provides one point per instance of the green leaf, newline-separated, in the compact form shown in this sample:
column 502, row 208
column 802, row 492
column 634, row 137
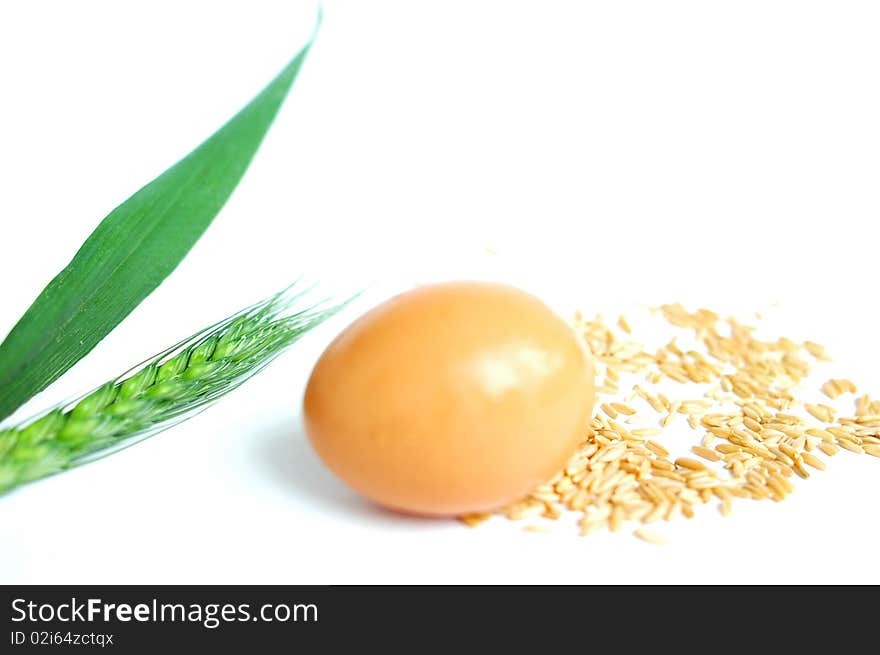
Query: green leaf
column 133, row 249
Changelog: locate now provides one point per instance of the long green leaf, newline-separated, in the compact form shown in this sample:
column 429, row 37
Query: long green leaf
column 133, row 249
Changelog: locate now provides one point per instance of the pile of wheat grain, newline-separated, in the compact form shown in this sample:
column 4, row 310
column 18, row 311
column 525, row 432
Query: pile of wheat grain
column 739, row 396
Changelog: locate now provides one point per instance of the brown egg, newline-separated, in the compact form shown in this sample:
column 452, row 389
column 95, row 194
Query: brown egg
column 450, row 398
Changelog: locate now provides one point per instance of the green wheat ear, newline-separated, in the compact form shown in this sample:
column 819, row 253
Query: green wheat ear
column 169, row 388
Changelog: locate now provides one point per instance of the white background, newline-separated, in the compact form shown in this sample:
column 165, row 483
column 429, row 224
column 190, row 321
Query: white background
column 613, row 154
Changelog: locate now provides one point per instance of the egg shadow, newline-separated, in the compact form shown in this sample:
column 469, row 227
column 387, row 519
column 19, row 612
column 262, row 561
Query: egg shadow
column 286, row 455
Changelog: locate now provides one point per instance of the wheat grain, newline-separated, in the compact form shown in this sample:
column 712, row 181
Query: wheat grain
column 829, row 449
column 850, row 446
column 816, row 350
column 692, row 464
column 623, row 409
column 823, row 413
column 656, row 448
column 649, row 537
column 473, row 520
column 706, row 453
column 536, row 528
column 621, row 473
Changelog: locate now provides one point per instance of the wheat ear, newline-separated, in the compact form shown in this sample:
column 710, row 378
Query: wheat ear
column 167, row 389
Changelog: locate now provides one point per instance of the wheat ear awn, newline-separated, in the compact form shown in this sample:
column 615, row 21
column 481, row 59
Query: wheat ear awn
column 158, row 394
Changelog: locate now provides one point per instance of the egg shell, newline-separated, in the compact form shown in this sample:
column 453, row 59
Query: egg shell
column 450, row 398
